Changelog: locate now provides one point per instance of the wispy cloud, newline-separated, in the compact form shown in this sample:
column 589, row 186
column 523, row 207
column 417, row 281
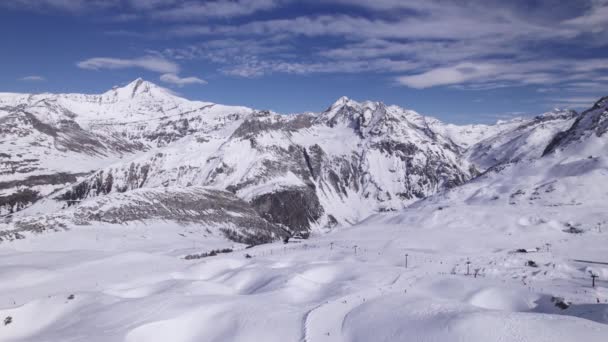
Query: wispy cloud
column 472, row 45
column 468, row 45
column 167, row 10
column 576, row 101
column 151, row 4
column 151, row 63
column 457, row 74
column 32, row 78
column 594, row 20
column 192, row 10
column 168, row 69
column 496, row 73
column 179, row 81
column 74, row 6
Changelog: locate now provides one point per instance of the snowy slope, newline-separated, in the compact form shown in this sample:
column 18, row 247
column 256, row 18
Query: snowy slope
column 525, row 141
column 570, row 173
column 591, row 123
column 133, row 283
column 466, row 136
column 38, row 158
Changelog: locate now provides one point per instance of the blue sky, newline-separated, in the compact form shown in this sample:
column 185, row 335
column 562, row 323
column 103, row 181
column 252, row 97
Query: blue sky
column 461, row 61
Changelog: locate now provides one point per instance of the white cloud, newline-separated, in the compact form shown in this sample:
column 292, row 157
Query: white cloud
column 151, row 4
column 465, row 44
column 449, row 21
column 457, row 74
column 221, row 8
column 595, row 20
column 496, row 73
column 450, row 44
column 32, row 78
column 390, row 4
column 251, row 58
column 575, row 101
column 250, row 67
column 151, row 63
column 179, row 81
column 75, row 6
column 170, row 10
column 468, row 44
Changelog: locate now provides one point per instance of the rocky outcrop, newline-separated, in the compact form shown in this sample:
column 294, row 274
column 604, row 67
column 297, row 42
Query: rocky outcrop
column 17, row 200
column 236, row 219
column 18, row 194
column 220, row 211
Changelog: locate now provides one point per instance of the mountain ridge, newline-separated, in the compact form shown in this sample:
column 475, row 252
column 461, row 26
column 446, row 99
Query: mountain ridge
column 303, row 172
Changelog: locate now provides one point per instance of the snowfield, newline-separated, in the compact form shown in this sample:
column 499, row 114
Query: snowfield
column 132, row 283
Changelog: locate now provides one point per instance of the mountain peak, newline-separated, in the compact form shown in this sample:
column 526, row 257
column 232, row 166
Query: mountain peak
column 138, row 87
column 345, row 101
column 341, row 102
column 137, row 82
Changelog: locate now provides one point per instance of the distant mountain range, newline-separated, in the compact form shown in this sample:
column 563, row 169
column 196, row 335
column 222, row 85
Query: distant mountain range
column 141, row 153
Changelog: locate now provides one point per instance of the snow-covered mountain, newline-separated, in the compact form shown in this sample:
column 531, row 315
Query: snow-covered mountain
column 588, row 130
column 300, row 172
column 568, row 168
column 523, row 140
column 50, row 140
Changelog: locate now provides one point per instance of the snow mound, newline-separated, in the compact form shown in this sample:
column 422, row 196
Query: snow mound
column 395, row 318
column 504, row 299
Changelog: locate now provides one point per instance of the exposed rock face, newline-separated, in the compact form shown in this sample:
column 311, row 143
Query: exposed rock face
column 17, row 200
column 19, row 194
column 237, row 220
column 221, row 210
column 294, row 208
column 592, row 122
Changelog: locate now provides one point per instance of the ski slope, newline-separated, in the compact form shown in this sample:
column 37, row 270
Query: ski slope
column 132, row 283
